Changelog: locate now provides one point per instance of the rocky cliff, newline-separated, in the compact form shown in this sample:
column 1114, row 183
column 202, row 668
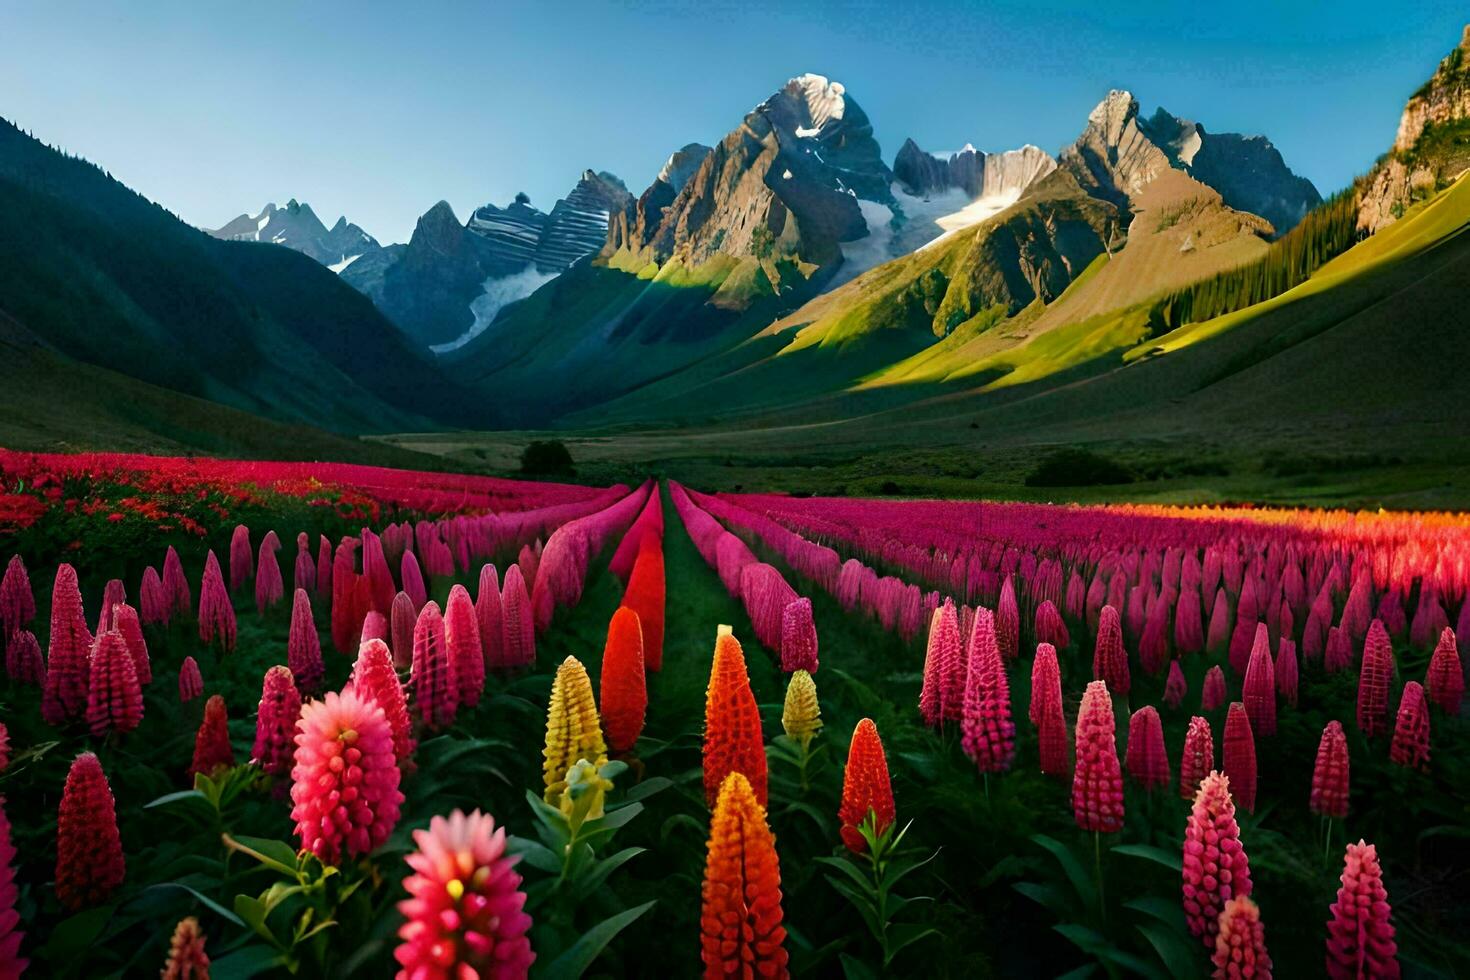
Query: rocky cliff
column 976, row 173
column 296, row 226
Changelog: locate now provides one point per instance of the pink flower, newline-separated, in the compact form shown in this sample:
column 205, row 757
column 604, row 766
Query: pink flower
column 1213, row 694
column 1008, row 622
column 1046, row 712
column 1260, row 685
column 798, row 637
column 1240, row 945
column 1109, row 659
column 1374, row 678
column 1286, row 670
column 373, row 677
column 17, row 602
column 940, row 699
column 1198, row 760
column 1216, row 869
column 275, row 721
column 240, row 563
column 65, row 696
column 1049, row 626
column 487, row 610
column 191, row 682
column 114, row 699
column 304, row 645
column 11, row 963
column 462, row 639
column 1175, row 687
column 413, row 580
column 1410, row 747
column 1330, row 773
column 400, row 629
column 1240, row 756
column 1445, row 678
column 989, row 735
column 216, row 614
column 1097, row 781
column 269, row 586
column 1147, row 759
column 125, row 621
column 177, row 597
column 345, row 781
column 432, row 678
column 518, row 624
column 1360, row 933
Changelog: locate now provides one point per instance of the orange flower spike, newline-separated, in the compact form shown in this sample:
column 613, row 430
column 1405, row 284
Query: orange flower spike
column 732, row 722
column 865, row 786
column 740, row 916
column 624, row 684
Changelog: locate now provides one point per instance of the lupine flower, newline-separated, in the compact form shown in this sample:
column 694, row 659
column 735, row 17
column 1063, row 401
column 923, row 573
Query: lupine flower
column 1049, row 626
column 462, row 638
column 1008, row 622
column 269, row 586
column 1339, row 652
column 740, row 915
column 1198, row 759
column 1373, row 681
column 1445, row 679
column 114, row 698
column 801, row 713
column 191, row 682
column 1330, row 774
column 1215, row 866
column 413, row 580
column 1260, row 685
column 1175, row 687
column 573, row 729
column 1240, row 944
column 732, row 722
column 275, row 721
column 1097, row 781
column 373, row 677
column 988, row 733
column 1286, row 670
column 529, row 561
column 374, row 627
column 1046, row 712
column 518, row 627
column 1219, row 632
column 303, row 575
column 1213, row 695
column 487, row 610
column 125, row 621
column 65, row 695
column 1360, row 933
column 464, row 915
column 645, row 596
column 1153, row 643
column 212, row 750
column 17, row 601
column 865, row 787
column 624, row 684
column 23, row 661
column 432, row 677
column 216, row 614
column 178, row 598
column 1410, row 747
column 345, row 780
column 152, row 602
column 11, row 963
column 939, row 699
column 241, row 557
column 1147, row 759
column 348, row 607
column 304, row 645
column 401, row 622
column 186, row 957
column 114, row 594
column 1240, row 756
column 1189, row 631
column 798, row 637
column 1247, row 618
column 324, row 569
column 1109, row 659
column 89, row 853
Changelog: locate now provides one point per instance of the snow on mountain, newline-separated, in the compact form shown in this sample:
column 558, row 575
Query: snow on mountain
column 296, row 226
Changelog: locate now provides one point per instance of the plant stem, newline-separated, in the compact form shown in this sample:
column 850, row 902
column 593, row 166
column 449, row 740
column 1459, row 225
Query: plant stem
column 1102, row 904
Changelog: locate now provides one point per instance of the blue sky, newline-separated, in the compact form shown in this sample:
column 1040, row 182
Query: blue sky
column 378, row 110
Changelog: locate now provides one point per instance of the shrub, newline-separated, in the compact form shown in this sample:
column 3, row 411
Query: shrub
column 1077, row 468
column 545, row 458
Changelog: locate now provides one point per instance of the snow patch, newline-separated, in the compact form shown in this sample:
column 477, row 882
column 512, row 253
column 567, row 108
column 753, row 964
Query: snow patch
column 974, row 213
column 347, row 260
column 786, row 175
column 498, row 294
column 804, row 131
column 871, row 250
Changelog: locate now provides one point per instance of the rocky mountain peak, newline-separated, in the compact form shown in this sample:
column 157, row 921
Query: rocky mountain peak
column 1111, row 117
column 296, row 226
column 682, row 164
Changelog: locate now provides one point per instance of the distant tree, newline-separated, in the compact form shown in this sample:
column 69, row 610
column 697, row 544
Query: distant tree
column 1077, row 468
column 546, row 458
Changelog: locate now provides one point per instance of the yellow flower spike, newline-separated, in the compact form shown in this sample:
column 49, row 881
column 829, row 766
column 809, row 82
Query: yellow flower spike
column 801, row 716
column 573, row 728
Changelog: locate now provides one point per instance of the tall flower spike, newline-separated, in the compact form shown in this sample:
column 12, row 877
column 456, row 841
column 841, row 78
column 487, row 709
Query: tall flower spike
column 186, row 957
column 798, row 637
column 1008, row 622
column 988, row 735
column 487, row 610
column 345, row 780
column 241, row 557
column 1360, row 934
column 65, row 695
column 275, row 721
column 624, row 683
column 1189, row 631
column 373, row 677
column 1240, row 945
column 1339, row 653
column 175, row 586
column 303, row 575
column 1260, row 685
column 269, row 585
column 732, row 722
column 1240, row 756
column 1287, row 681
column 1215, row 866
column 1050, row 627
column 1410, row 747
column 1213, row 694
column 1373, row 681
column 1445, row 679
column 573, row 730
column 740, row 915
column 152, row 602
column 1109, row 659
column 191, row 682
column 1329, row 796
column 942, row 653
column 216, row 614
column 1198, row 760
column 865, row 787
column 462, row 637
column 518, row 624
column 212, row 750
column 114, row 594
column 465, row 912
column 1046, row 712
column 1147, row 759
column 1175, row 687
column 11, row 963
column 645, row 596
column 1097, row 781
column 413, row 580
column 23, row 660
column 125, row 621
column 114, row 699
column 89, row 853
column 401, row 621
column 801, row 713
column 304, row 645
column 17, row 601
column 431, row 678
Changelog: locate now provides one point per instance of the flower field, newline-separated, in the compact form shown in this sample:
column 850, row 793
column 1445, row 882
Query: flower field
column 471, row 727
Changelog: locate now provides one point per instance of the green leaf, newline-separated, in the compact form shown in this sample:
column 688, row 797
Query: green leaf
column 245, row 963
column 1165, row 910
column 860, row 901
column 254, row 912
column 75, row 934
column 1177, row 956
column 677, row 821
column 1081, row 881
column 575, row 961
column 1044, row 895
column 593, row 880
column 183, row 794
column 537, row 855
column 855, row 969
column 205, row 900
column 906, row 934
column 647, row 788
column 859, row 875
column 1172, row 860
column 274, row 854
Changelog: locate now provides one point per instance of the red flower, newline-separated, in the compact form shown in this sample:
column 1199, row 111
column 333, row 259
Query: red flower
column 373, row 677
column 1260, row 685
column 114, row 699
column 518, row 624
column 487, row 610
column 1175, row 687
column 988, row 734
column 732, row 722
column 1330, row 774
column 400, row 629
column 1049, row 626
column 275, row 721
column 1410, row 747
column 1240, row 945
column 17, row 602
column 1147, row 759
column 1374, row 678
column 624, row 685
column 1008, row 622
column 740, row 915
column 1360, row 933
column 216, row 614
column 65, row 696
column 348, row 607
column 176, row 593
column 798, row 637
column 1046, row 712
column 1339, row 653
column 413, row 579
column 1445, row 678
column 186, row 957
column 1198, row 759
column 1213, row 694
column 212, row 750
column 1097, row 782
column 1109, row 659
column 114, row 594
column 23, row 659
column 1216, row 869
column 1189, row 633
column 464, row 915
column 1240, row 756
column 645, row 596
column 345, row 781
column 432, row 678
column 1286, row 670
column 865, row 786
column 125, row 621
column 89, row 854
column 462, row 639
column 11, row 963
column 191, row 682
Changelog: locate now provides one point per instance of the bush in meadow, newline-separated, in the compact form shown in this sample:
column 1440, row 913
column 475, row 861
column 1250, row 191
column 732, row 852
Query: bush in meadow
column 344, row 783
column 740, row 915
column 732, row 722
column 89, row 854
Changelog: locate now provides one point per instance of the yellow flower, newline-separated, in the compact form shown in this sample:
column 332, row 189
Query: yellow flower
column 585, row 794
column 802, row 715
column 573, row 729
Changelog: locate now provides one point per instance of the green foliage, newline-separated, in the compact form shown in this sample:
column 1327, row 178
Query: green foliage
column 546, row 458
column 762, row 242
column 869, row 884
column 1077, row 468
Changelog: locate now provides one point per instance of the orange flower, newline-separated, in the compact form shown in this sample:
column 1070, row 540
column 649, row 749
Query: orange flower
column 645, row 596
column 624, row 686
column 865, row 786
column 732, row 722
column 740, row 918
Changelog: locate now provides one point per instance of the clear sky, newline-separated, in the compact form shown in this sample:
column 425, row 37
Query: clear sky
column 378, row 110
